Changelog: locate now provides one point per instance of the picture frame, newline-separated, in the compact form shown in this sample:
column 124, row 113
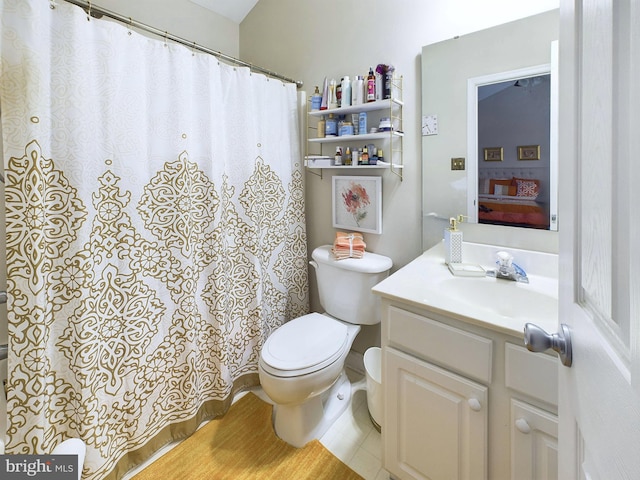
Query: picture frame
column 493, row 154
column 357, row 203
column 529, row 152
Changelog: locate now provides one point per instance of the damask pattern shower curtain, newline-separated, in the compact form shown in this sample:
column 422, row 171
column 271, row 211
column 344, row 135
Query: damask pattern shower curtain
column 155, row 232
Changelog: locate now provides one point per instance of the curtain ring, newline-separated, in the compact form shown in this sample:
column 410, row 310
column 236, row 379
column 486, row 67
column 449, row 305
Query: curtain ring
column 165, row 38
column 193, row 50
column 52, row 4
column 129, row 26
column 89, row 12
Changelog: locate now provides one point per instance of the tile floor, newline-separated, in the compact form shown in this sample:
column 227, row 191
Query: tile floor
column 352, row 438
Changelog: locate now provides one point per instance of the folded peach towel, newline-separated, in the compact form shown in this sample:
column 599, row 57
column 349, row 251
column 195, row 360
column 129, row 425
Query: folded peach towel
column 348, row 245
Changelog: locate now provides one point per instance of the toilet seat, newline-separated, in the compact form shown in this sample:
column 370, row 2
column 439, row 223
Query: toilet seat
column 304, row 345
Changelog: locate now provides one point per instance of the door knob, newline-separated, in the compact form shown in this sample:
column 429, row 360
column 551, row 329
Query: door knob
column 537, row 340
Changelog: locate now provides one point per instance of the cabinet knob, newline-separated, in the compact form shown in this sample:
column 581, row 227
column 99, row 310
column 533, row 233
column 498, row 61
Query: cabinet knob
column 523, row 426
column 474, row 404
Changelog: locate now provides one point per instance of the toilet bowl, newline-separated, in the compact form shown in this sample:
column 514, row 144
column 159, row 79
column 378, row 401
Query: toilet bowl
column 301, row 366
column 301, row 370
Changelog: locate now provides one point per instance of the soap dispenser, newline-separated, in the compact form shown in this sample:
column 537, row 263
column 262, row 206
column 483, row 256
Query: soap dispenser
column 453, row 242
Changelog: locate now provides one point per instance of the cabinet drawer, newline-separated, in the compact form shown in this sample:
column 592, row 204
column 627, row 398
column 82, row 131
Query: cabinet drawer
column 431, row 340
column 534, row 374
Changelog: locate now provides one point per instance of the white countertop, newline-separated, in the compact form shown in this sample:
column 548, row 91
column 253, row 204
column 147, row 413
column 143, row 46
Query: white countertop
column 500, row 305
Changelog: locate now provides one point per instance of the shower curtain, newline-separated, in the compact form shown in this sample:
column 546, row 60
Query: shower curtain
column 155, row 232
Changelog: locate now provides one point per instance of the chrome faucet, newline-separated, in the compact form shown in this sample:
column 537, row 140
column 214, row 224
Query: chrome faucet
column 507, row 270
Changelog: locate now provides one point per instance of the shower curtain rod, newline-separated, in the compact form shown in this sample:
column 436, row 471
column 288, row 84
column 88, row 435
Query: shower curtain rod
column 93, row 10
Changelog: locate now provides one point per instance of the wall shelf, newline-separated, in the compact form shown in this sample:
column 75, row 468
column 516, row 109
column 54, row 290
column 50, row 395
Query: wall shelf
column 356, row 138
column 363, row 107
column 389, row 141
column 379, row 165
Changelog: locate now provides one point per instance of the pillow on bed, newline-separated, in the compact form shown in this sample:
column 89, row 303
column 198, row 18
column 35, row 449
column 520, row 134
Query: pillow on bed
column 504, row 190
column 502, row 186
column 527, row 187
column 483, row 186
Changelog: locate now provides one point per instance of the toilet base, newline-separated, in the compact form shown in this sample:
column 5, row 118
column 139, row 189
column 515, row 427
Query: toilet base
column 299, row 424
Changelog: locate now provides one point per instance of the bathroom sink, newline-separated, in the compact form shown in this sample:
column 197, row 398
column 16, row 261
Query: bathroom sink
column 502, row 305
column 512, row 300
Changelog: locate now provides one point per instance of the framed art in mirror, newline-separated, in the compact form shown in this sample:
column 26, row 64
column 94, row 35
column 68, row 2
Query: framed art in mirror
column 493, row 154
column 529, row 152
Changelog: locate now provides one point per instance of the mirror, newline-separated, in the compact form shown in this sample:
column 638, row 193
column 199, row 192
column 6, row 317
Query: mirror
column 516, row 50
column 511, row 151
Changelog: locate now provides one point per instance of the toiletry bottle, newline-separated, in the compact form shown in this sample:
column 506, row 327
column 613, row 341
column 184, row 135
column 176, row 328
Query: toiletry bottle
column 331, row 128
column 340, row 125
column 355, row 119
column 371, row 86
column 325, row 95
column 373, row 158
column 453, row 242
column 346, row 92
column 338, row 157
column 354, row 91
column 355, row 155
column 380, row 156
column 333, row 101
column 322, row 124
column 316, row 100
column 348, row 157
column 362, row 123
column 339, row 92
column 364, row 159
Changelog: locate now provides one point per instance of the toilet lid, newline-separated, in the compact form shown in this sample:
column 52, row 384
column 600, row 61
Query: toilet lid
column 304, row 345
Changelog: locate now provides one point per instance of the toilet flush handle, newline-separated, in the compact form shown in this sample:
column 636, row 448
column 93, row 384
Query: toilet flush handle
column 313, row 264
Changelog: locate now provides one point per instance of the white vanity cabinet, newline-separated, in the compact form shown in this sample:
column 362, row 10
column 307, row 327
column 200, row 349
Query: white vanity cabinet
column 462, row 401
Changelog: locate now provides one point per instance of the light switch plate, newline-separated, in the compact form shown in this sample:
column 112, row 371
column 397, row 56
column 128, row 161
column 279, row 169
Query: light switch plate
column 430, row 124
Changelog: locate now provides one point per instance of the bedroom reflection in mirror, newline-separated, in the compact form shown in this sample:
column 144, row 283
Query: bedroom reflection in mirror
column 515, row 117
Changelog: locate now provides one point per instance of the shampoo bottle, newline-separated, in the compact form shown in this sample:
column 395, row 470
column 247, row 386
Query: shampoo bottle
column 333, row 100
column 371, row 86
column 452, row 243
column 346, row 92
column 322, row 124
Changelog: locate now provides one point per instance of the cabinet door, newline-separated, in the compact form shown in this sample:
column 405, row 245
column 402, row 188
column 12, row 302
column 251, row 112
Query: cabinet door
column 435, row 423
column 534, row 443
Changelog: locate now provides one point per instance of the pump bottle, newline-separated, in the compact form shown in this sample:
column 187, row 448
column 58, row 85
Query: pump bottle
column 453, row 242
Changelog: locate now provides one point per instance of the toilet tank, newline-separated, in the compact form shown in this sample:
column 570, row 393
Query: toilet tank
column 345, row 285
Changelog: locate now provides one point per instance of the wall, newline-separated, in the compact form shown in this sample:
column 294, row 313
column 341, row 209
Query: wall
column 310, row 40
column 181, row 18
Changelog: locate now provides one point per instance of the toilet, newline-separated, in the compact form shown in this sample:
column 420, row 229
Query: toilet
column 301, row 365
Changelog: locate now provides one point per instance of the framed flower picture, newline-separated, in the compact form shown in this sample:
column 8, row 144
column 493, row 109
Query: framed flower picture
column 357, row 203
